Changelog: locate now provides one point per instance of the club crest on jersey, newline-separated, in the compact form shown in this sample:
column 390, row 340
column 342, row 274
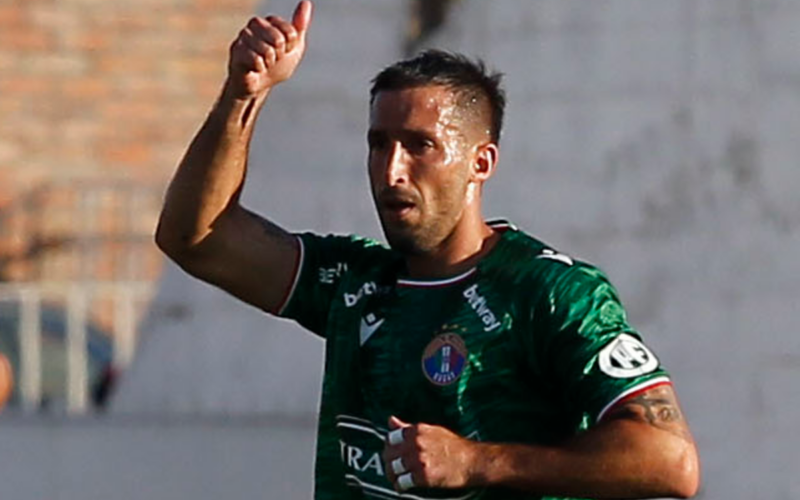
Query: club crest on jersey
column 627, row 357
column 444, row 359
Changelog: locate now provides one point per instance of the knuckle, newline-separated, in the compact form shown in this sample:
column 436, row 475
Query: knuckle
column 251, row 57
column 276, row 37
column 245, row 34
column 286, row 28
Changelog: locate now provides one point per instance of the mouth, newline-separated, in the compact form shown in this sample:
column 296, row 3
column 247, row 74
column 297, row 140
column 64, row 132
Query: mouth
column 397, row 207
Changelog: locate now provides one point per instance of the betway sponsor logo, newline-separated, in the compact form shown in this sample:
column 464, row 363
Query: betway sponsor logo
column 368, row 288
column 478, row 304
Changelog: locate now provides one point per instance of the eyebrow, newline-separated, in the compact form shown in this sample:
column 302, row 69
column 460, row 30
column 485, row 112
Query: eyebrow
column 371, row 132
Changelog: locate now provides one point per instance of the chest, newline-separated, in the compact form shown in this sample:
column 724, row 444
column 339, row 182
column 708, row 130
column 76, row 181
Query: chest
column 428, row 353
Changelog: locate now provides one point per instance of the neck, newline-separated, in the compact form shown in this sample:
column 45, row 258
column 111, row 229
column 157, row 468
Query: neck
column 460, row 251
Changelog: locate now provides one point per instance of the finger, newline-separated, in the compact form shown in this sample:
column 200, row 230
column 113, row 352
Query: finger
column 391, row 452
column 389, row 474
column 258, row 45
column 254, row 43
column 387, row 469
column 405, row 482
column 395, row 437
column 396, row 423
column 408, row 481
column 287, row 29
column 398, row 466
column 302, row 17
column 242, row 56
column 266, row 32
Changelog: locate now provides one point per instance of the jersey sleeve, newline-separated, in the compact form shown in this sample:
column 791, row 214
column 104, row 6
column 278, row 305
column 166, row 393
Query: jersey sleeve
column 597, row 357
column 323, row 262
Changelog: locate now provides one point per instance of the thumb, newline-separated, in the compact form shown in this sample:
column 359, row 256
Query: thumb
column 302, row 16
column 396, row 423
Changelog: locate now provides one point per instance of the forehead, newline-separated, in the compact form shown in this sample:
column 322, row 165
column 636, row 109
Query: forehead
column 418, row 107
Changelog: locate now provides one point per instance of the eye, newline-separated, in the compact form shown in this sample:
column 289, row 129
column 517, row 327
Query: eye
column 419, row 145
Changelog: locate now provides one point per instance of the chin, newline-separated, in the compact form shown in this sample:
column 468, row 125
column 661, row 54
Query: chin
column 403, row 239
column 403, row 243
column 410, row 242
column 405, row 246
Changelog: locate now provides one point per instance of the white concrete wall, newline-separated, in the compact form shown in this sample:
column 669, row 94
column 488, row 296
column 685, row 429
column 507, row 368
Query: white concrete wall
column 656, row 139
column 659, row 140
column 155, row 459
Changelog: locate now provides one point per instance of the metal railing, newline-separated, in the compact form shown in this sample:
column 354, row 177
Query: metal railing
column 76, row 299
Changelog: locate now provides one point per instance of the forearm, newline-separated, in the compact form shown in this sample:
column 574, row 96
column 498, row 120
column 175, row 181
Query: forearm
column 210, row 176
column 619, row 459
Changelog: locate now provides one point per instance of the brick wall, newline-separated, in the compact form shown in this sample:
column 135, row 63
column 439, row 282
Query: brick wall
column 93, row 92
column 98, row 99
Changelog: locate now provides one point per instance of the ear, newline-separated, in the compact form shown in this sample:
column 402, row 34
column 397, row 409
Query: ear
column 485, row 162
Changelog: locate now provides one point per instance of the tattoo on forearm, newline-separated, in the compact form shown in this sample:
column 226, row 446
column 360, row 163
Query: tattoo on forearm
column 659, row 408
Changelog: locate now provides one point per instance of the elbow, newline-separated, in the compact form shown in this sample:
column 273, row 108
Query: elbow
column 162, row 239
column 169, row 242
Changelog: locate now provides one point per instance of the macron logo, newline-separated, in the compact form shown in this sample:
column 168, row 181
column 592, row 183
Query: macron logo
column 478, row 304
column 368, row 326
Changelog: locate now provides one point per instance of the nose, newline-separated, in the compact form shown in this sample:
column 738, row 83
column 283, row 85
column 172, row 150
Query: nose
column 396, row 165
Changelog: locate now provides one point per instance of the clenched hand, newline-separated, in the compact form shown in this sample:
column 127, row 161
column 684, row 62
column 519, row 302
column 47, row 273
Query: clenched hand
column 434, row 456
column 267, row 52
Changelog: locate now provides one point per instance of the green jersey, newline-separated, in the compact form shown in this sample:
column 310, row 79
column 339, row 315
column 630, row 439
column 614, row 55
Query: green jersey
column 527, row 347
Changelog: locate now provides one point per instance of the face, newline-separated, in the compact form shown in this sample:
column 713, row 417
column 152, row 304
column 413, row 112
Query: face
column 420, row 162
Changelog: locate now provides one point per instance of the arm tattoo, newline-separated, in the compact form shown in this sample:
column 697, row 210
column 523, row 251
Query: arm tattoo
column 659, row 408
column 271, row 229
column 280, row 235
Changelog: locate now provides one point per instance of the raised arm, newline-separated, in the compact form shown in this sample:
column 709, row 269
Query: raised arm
column 641, row 449
column 202, row 226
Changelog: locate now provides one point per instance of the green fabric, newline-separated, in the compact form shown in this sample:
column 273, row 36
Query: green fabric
column 509, row 353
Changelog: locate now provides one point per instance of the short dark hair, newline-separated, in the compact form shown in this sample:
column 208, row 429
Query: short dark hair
column 468, row 79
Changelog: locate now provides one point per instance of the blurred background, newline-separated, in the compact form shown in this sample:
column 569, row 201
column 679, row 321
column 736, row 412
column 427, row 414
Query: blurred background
column 658, row 140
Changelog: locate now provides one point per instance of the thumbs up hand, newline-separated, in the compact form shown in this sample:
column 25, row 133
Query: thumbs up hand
column 267, row 52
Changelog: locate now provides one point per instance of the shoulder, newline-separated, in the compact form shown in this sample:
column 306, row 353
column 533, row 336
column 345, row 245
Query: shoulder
column 348, row 243
column 540, row 272
column 536, row 261
column 336, row 254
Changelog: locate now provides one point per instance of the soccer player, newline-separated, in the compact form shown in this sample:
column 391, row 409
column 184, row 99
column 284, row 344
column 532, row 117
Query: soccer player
column 466, row 359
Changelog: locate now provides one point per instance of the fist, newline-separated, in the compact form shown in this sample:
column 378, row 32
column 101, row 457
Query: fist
column 428, row 456
column 267, row 51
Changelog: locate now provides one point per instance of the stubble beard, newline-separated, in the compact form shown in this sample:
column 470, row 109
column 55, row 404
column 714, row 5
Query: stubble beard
column 426, row 234
column 408, row 239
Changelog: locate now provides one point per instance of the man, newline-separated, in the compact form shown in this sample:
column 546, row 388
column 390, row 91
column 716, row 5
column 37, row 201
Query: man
column 469, row 360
